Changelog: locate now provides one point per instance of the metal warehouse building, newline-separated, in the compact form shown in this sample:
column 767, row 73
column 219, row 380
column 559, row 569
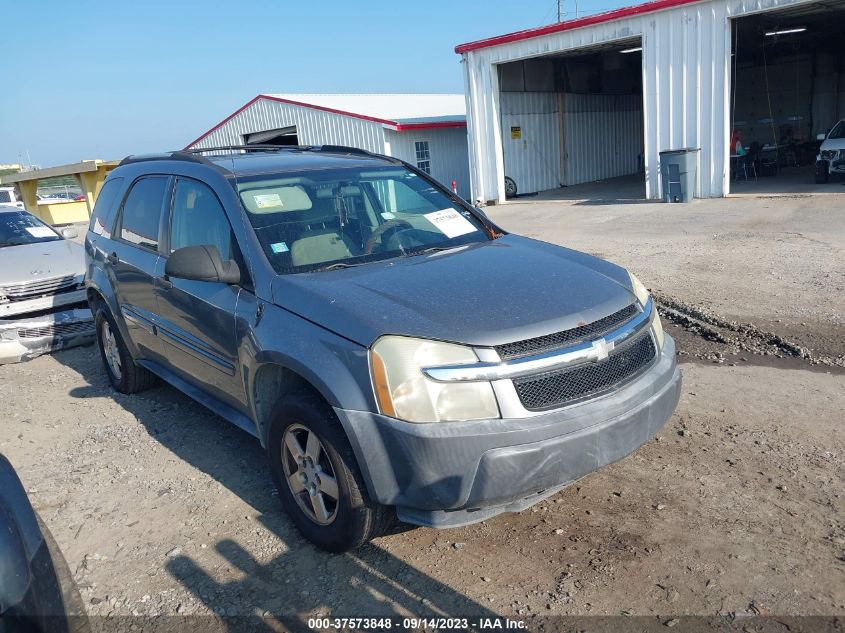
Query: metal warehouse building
column 426, row 130
column 601, row 96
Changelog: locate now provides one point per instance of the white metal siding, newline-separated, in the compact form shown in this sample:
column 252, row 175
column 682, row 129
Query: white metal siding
column 314, row 127
column 448, row 148
column 686, row 59
column 533, row 161
column 603, row 136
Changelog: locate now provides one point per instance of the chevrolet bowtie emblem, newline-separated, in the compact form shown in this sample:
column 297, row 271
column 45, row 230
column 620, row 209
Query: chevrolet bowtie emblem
column 601, row 348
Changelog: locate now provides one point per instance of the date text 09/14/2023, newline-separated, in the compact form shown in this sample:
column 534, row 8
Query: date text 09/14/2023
column 414, row 624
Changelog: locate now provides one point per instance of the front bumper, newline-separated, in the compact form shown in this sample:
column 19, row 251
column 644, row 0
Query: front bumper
column 835, row 165
column 24, row 339
column 456, row 473
column 39, row 304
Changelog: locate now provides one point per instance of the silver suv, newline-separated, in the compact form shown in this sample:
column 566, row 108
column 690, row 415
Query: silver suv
column 395, row 352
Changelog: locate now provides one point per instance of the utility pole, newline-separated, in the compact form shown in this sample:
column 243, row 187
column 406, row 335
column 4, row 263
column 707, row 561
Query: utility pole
column 559, row 7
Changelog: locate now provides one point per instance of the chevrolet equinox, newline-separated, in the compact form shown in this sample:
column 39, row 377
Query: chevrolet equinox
column 396, row 353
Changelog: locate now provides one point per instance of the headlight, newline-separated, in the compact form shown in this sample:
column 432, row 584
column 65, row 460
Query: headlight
column 639, row 289
column 402, row 391
column 642, row 296
column 828, row 154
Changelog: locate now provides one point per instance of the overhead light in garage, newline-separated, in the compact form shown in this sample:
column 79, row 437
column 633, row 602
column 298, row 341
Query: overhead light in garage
column 799, row 29
column 631, row 50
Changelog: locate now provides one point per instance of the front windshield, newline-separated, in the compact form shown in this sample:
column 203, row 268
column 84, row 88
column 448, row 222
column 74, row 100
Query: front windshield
column 19, row 227
column 320, row 219
column 838, row 131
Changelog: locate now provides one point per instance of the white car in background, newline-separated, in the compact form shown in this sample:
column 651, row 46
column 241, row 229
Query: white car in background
column 7, row 196
column 831, row 157
column 43, row 306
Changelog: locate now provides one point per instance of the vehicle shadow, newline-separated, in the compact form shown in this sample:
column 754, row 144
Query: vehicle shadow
column 296, row 580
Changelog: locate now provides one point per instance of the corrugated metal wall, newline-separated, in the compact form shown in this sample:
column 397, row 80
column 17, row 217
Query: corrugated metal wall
column 448, row 149
column 686, row 61
column 448, row 146
column 533, row 159
column 314, row 127
column 603, row 136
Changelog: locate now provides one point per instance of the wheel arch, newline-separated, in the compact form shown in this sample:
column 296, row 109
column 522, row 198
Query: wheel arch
column 276, row 380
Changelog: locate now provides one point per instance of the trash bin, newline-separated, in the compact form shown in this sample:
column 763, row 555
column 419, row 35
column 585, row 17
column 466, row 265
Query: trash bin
column 677, row 170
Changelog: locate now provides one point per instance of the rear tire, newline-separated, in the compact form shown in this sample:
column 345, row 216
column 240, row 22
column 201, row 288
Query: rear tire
column 124, row 374
column 336, row 524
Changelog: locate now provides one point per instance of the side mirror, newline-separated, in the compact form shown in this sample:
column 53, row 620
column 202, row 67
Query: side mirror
column 821, row 137
column 69, row 232
column 202, row 263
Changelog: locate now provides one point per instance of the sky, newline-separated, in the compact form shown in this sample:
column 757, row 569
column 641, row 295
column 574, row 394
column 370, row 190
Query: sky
column 89, row 79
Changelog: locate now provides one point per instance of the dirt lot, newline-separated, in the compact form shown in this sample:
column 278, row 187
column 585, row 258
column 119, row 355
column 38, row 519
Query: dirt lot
column 736, row 507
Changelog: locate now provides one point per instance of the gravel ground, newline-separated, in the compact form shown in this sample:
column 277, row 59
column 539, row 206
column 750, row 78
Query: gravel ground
column 735, row 508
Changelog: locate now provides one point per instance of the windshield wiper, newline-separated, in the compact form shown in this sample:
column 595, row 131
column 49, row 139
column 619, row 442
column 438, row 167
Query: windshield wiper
column 435, row 249
column 336, row 266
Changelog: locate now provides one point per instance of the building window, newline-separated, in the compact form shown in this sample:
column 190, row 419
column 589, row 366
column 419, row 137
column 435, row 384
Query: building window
column 423, row 156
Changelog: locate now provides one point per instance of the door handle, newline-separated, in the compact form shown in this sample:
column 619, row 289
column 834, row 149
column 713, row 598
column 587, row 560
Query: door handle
column 113, row 258
column 164, row 282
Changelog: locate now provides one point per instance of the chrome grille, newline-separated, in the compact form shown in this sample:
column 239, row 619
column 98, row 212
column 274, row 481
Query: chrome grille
column 566, row 386
column 38, row 288
column 57, row 329
column 566, row 338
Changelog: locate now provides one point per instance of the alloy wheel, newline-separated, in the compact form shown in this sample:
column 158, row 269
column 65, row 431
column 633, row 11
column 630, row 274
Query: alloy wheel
column 309, row 474
column 110, row 349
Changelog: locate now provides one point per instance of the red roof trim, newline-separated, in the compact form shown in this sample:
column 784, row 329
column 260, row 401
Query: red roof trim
column 400, row 127
column 223, row 122
column 407, row 127
column 608, row 16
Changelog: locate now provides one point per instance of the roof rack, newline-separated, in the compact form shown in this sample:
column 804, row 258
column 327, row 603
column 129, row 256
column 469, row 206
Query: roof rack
column 196, row 155
column 342, row 149
column 334, row 149
column 177, row 155
column 245, row 148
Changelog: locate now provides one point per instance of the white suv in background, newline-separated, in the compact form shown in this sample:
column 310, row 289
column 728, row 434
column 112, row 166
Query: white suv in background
column 831, row 158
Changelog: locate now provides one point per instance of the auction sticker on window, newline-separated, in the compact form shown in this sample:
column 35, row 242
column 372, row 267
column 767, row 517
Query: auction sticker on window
column 40, row 231
column 450, row 222
column 267, row 200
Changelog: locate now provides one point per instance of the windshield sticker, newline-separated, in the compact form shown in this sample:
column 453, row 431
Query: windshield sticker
column 387, row 215
column 279, row 247
column 40, row 231
column 267, row 200
column 450, row 222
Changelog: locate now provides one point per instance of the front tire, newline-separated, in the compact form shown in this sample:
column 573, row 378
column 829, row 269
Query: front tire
column 822, row 174
column 510, row 187
column 124, row 374
column 318, row 478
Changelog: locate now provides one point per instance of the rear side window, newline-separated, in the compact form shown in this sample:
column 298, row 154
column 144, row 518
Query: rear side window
column 5, row 196
column 199, row 219
column 142, row 212
column 102, row 218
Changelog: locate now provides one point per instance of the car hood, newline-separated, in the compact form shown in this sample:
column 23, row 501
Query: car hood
column 43, row 260
column 484, row 294
column 833, row 143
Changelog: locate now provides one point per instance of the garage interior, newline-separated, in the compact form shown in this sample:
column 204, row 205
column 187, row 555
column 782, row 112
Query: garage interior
column 787, row 87
column 572, row 123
